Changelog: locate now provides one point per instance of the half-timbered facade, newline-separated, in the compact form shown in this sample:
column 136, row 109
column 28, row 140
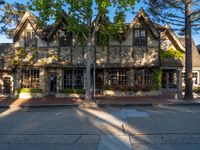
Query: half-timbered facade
column 52, row 60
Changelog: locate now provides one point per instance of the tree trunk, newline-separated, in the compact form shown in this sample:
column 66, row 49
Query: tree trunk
column 188, row 57
column 88, row 68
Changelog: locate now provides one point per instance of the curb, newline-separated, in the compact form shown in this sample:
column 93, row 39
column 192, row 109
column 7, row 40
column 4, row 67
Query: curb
column 101, row 105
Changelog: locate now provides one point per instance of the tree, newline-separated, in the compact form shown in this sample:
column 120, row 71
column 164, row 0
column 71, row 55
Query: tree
column 185, row 16
column 11, row 16
column 81, row 14
column 2, row 2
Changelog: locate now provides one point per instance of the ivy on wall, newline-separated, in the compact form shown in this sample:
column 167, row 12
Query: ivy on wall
column 157, row 79
column 22, row 54
column 171, row 53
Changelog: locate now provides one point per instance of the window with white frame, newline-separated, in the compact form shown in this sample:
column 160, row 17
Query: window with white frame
column 195, row 76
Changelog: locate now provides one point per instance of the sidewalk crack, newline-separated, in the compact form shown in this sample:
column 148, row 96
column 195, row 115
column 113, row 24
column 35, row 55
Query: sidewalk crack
column 75, row 141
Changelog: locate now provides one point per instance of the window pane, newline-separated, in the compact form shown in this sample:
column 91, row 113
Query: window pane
column 78, row 79
column 68, row 79
column 140, row 38
column 137, row 33
column 143, row 33
column 30, row 78
column 7, row 85
column 73, row 79
column 194, row 77
column 143, row 78
column 117, row 77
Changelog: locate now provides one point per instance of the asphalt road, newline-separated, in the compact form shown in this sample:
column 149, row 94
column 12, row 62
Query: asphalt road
column 135, row 128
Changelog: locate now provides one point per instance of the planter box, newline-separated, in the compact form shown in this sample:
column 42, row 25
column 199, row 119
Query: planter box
column 62, row 95
column 130, row 93
column 27, row 95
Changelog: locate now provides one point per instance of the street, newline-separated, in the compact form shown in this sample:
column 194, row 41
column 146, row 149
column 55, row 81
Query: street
column 109, row 128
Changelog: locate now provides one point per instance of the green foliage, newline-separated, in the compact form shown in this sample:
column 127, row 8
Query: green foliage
column 171, row 53
column 12, row 15
column 107, row 87
column 73, row 91
column 119, row 26
column 196, row 89
column 173, row 12
column 80, row 14
column 29, row 90
column 22, row 54
column 157, row 79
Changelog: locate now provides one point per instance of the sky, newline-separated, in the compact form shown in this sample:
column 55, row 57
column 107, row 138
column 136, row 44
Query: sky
column 129, row 18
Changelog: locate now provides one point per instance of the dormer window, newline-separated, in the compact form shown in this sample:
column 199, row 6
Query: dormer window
column 65, row 38
column 30, row 38
column 140, row 37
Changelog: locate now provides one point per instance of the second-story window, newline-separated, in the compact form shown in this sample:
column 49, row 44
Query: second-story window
column 65, row 39
column 30, row 38
column 140, row 37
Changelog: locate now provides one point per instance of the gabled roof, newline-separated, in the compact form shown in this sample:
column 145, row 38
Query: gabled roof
column 195, row 53
column 56, row 26
column 179, row 44
column 143, row 14
column 27, row 18
column 174, row 39
column 172, row 62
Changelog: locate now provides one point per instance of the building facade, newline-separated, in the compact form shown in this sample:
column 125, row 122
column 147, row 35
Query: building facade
column 51, row 61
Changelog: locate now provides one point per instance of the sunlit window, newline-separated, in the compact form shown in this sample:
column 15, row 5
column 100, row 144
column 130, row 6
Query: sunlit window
column 30, row 78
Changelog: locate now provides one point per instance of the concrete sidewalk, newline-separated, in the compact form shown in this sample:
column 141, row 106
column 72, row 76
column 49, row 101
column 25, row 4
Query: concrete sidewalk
column 100, row 101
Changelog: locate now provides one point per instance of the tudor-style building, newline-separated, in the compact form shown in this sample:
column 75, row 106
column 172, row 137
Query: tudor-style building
column 174, row 69
column 53, row 60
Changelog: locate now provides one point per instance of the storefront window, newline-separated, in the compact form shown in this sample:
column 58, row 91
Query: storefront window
column 117, row 77
column 73, row 79
column 30, row 78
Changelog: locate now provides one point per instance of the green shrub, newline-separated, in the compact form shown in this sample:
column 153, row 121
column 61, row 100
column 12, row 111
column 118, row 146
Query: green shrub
column 196, row 89
column 29, row 90
column 73, row 91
